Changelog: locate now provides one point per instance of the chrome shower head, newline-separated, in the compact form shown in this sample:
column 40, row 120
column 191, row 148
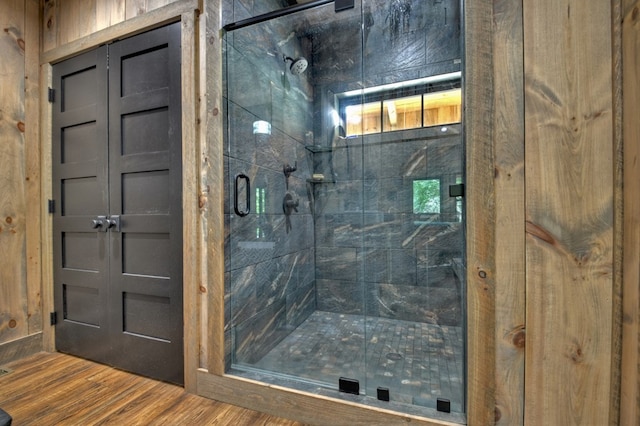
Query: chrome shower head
column 298, row 65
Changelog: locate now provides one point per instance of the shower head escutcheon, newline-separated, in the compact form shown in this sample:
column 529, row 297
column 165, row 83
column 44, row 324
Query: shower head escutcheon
column 298, row 65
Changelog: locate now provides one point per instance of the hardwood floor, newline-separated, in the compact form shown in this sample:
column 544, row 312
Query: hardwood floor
column 56, row 389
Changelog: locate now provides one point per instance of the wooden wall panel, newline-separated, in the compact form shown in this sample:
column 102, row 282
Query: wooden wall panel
column 76, row 18
column 570, row 203
column 33, row 212
column 49, row 28
column 20, row 249
column 13, row 289
column 65, row 21
column 140, row 7
column 109, row 12
column 508, row 130
column 630, row 369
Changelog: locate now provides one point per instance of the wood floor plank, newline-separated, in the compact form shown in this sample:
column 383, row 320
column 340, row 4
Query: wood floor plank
column 96, row 396
column 48, row 389
column 45, row 400
column 143, row 409
column 130, row 388
column 190, row 408
column 27, row 381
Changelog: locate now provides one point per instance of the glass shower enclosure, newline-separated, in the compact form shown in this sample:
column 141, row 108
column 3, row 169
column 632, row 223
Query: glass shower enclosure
column 344, row 209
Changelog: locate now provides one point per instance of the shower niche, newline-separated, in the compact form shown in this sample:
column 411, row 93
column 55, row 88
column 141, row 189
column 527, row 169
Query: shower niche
column 345, row 269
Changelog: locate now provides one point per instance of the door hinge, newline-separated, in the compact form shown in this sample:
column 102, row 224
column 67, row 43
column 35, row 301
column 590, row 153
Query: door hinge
column 52, row 95
column 52, row 206
column 53, row 318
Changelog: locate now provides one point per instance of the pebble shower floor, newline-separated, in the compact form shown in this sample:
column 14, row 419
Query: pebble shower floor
column 418, row 362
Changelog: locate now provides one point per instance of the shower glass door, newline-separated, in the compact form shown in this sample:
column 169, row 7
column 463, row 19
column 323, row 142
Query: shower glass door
column 344, row 204
column 277, row 82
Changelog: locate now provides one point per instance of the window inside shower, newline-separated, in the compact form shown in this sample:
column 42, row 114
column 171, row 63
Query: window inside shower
column 431, row 101
column 344, row 210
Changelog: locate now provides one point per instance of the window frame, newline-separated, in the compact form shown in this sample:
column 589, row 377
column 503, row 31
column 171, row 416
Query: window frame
column 382, row 94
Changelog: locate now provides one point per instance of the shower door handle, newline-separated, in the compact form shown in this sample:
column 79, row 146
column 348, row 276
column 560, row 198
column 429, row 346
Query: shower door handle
column 247, row 198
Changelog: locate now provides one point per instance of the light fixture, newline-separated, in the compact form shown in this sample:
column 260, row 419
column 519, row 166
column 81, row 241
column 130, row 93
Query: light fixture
column 261, row 127
column 335, row 117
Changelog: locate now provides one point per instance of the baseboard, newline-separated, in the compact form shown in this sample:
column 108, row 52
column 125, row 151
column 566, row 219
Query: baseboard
column 20, row 348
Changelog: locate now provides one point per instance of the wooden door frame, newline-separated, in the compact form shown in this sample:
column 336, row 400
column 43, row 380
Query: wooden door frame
column 186, row 12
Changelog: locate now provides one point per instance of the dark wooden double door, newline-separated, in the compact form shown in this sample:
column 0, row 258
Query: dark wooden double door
column 117, row 221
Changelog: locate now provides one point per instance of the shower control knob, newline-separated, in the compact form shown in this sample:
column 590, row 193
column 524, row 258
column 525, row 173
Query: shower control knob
column 287, row 169
column 289, row 205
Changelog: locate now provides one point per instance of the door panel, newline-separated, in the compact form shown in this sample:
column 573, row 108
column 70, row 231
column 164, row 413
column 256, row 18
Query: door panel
column 117, row 154
column 80, row 190
column 145, row 191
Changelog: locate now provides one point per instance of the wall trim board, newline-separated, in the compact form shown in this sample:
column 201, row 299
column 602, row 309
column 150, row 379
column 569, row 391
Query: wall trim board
column 190, row 213
column 618, row 213
column 509, row 181
column 141, row 23
column 479, row 92
column 212, row 194
column 21, row 348
column 630, row 359
column 46, row 229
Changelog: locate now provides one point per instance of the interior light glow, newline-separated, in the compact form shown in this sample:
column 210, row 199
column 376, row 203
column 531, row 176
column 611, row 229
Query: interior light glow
column 335, row 117
column 261, row 127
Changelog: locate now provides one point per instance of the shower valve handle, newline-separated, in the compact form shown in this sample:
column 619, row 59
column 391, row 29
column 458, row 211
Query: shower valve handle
column 288, row 204
column 293, row 204
column 287, row 169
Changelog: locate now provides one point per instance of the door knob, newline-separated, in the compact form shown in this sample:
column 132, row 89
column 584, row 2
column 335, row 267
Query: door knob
column 113, row 223
column 98, row 222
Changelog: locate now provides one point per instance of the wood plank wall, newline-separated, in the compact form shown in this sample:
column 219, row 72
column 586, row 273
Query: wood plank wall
column 554, row 337
column 570, row 210
column 509, row 181
column 68, row 20
column 20, row 305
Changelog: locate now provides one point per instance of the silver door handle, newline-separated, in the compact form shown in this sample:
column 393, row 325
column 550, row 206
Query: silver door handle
column 113, row 223
column 98, row 222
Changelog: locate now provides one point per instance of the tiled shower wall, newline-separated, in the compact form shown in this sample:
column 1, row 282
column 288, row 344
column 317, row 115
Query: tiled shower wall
column 374, row 256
